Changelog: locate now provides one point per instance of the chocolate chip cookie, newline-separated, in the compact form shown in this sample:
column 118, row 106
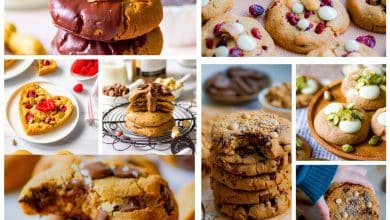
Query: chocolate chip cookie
column 305, row 25
column 351, row 201
column 224, row 194
column 98, row 188
column 214, row 8
column 247, row 133
column 263, row 165
column 368, row 14
column 65, row 43
column 230, row 35
column 242, row 182
column 106, row 20
column 349, row 48
column 265, row 210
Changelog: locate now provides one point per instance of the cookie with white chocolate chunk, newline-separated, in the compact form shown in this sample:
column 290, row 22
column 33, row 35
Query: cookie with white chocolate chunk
column 352, row 201
column 302, row 26
column 234, row 36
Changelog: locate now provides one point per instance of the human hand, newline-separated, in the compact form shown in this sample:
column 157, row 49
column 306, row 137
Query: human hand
column 344, row 174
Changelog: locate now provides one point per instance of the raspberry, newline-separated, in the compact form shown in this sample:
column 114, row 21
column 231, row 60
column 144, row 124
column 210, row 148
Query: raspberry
column 320, row 27
column 256, row 33
column 217, row 29
column 292, row 18
column 236, row 52
column 209, row 43
column 368, row 40
column 78, row 88
column 256, row 10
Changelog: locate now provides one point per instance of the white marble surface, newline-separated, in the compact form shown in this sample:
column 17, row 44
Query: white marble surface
column 82, row 140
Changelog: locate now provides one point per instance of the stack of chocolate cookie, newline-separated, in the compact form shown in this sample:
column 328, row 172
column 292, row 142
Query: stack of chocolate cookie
column 150, row 112
column 250, row 173
column 107, row 27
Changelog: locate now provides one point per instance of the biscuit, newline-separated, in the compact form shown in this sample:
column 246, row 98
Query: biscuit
column 232, row 35
column 302, row 30
column 260, row 167
column 244, row 133
column 151, row 131
column 350, row 90
column 241, row 182
column 106, row 20
column 332, row 133
column 367, row 15
column 214, row 8
column 223, row 194
column 64, row 43
column 378, row 127
column 271, row 208
column 85, row 188
column 183, row 161
column 338, row 49
column 148, row 119
column 351, row 201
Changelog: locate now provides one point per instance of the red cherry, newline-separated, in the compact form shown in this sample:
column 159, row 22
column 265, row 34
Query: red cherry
column 45, row 62
column 320, row 27
column 209, row 43
column 78, row 88
column 27, row 105
column 63, row 108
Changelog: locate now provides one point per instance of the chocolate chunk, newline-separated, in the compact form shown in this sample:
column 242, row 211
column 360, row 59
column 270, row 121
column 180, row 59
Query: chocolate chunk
column 126, row 172
column 102, row 215
column 131, row 204
column 98, row 170
column 166, row 198
column 243, row 85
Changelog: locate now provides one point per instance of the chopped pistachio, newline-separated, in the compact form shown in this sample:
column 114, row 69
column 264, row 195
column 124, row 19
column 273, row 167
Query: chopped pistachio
column 301, row 83
column 347, row 148
column 374, row 140
column 298, row 143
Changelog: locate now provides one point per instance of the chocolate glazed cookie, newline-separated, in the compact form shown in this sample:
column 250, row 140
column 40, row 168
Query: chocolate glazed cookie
column 65, row 43
column 106, row 20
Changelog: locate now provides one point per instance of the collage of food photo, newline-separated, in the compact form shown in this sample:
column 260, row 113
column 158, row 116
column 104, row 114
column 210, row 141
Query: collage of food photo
column 194, row 110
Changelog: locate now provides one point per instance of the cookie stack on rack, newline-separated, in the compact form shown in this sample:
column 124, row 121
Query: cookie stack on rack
column 251, row 165
column 150, row 112
column 96, row 27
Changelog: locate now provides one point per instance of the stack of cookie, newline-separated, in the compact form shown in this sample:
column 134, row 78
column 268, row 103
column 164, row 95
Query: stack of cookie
column 250, row 173
column 110, row 27
column 150, row 112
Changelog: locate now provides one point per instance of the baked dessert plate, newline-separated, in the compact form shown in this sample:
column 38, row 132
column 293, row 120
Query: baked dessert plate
column 17, row 68
column 13, row 118
column 363, row 151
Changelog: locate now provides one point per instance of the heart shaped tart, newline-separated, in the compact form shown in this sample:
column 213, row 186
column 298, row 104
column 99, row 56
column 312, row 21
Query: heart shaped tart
column 40, row 112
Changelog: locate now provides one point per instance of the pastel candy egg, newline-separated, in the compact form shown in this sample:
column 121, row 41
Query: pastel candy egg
column 351, row 45
column 246, row 42
column 221, row 51
column 369, row 92
column 297, row 8
column 327, row 13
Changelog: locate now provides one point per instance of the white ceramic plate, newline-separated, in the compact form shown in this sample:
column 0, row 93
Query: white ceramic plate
column 18, row 68
column 12, row 114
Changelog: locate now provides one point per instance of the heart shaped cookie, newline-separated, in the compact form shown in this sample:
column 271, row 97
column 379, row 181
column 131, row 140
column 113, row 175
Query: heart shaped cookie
column 40, row 112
